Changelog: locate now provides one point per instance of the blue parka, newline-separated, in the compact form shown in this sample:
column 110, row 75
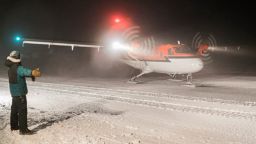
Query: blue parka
column 20, row 88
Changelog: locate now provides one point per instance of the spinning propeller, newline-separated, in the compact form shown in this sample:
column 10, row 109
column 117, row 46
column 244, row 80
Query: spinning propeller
column 139, row 45
column 204, row 43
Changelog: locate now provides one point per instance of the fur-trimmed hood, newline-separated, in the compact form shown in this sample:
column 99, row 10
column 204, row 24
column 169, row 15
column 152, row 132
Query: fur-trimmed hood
column 13, row 59
column 13, row 64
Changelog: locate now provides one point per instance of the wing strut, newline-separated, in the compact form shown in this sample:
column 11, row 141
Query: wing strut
column 53, row 43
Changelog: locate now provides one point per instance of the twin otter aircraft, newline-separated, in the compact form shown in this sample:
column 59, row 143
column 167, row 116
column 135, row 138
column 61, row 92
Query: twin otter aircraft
column 171, row 59
column 144, row 54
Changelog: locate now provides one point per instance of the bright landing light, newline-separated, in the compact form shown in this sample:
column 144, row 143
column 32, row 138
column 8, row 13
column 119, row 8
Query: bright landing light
column 118, row 46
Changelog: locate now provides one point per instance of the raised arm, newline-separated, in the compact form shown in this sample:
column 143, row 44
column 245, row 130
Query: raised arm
column 24, row 71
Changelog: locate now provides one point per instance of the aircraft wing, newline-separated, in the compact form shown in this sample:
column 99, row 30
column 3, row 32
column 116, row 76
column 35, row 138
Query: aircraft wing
column 50, row 43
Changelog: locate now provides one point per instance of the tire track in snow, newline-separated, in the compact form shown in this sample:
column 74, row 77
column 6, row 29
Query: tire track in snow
column 54, row 86
column 143, row 98
column 114, row 95
column 148, row 94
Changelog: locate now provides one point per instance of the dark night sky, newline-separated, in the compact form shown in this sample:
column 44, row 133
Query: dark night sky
column 82, row 20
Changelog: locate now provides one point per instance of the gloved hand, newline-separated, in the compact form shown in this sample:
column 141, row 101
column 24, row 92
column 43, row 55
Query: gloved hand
column 33, row 78
column 36, row 72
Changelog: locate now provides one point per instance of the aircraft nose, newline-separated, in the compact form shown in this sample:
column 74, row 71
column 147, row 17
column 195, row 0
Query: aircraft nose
column 198, row 64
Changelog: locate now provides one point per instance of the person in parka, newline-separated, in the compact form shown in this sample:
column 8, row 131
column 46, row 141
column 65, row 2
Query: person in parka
column 17, row 82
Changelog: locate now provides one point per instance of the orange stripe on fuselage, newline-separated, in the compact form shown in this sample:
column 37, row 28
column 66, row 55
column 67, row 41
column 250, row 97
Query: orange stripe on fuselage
column 162, row 52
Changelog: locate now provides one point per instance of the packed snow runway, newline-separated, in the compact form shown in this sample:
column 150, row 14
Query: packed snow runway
column 219, row 109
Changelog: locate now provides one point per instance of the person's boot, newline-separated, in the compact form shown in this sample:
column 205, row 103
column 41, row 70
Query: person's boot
column 26, row 132
column 14, row 128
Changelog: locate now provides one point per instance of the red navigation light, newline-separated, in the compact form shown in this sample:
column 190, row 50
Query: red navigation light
column 117, row 20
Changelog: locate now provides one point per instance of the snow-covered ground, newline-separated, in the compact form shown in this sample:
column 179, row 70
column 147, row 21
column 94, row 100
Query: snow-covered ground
column 220, row 109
